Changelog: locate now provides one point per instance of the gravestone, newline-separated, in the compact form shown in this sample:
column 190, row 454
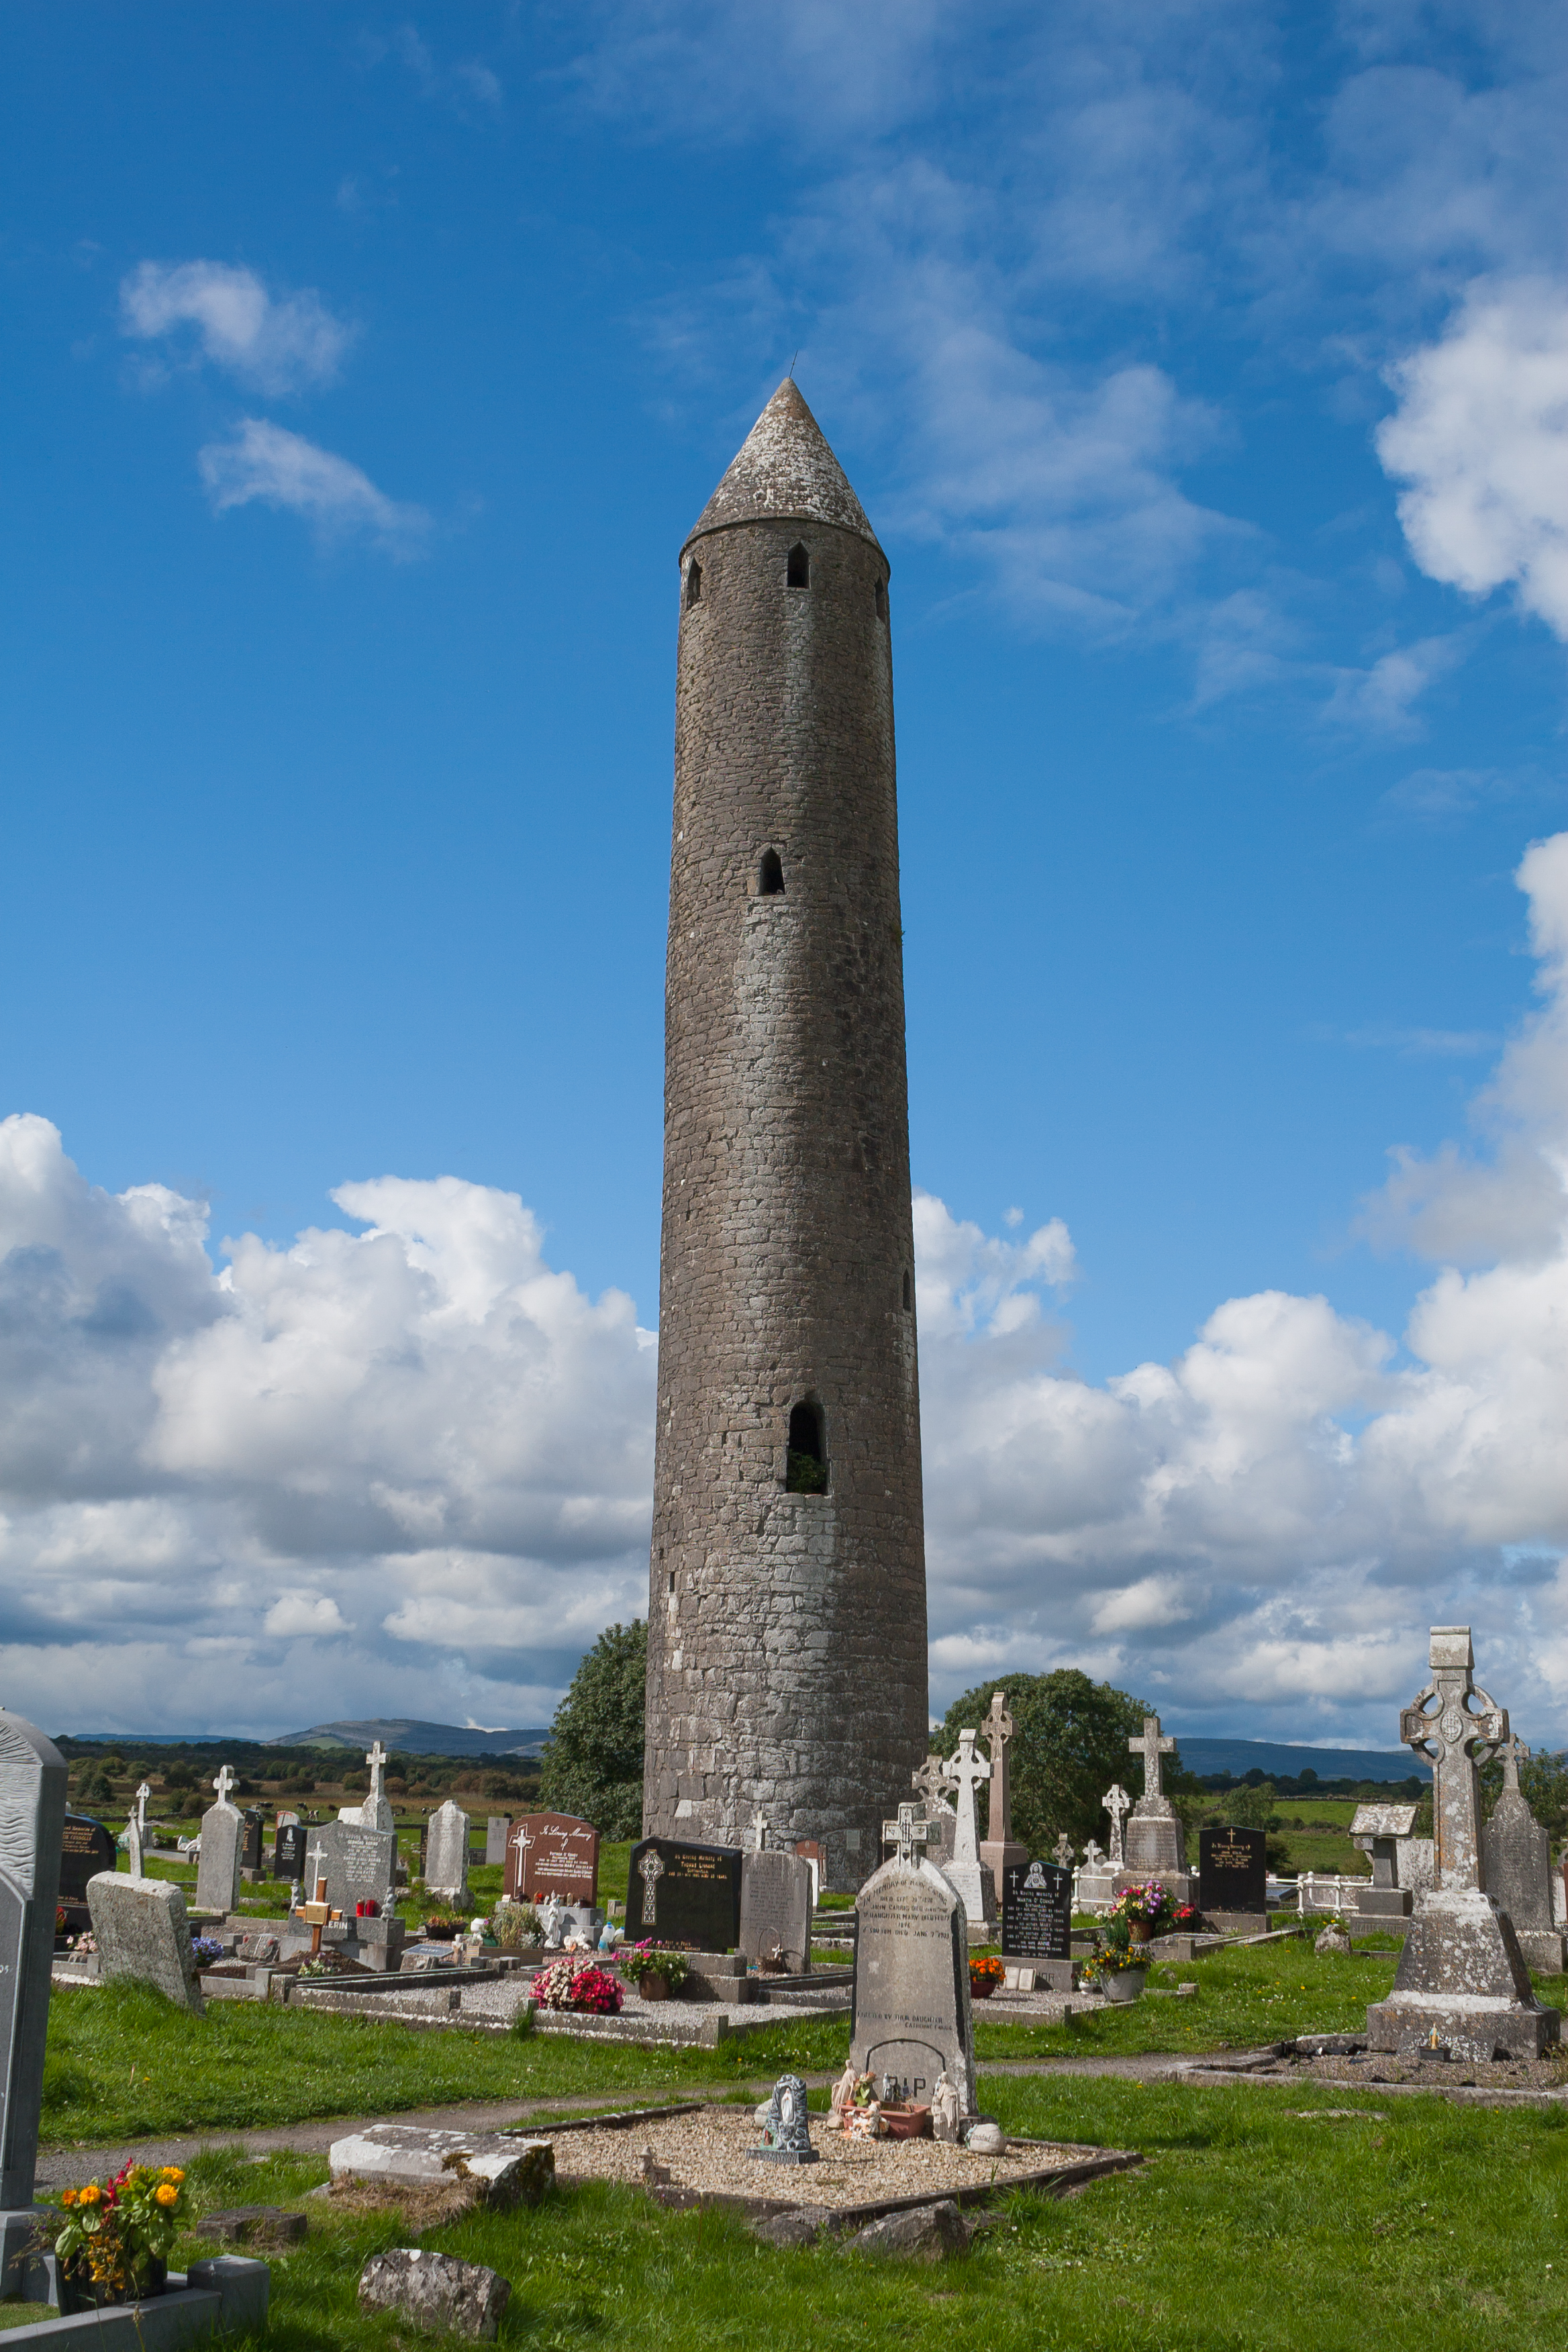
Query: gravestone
column 374, row 1811
column 553, row 1853
column 1037, row 1921
column 218, row 1863
column 999, row 1848
column 910, row 2010
column 1155, row 1841
column 141, row 1929
column 1461, row 1983
column 1377, row 1829
column 136, row 1831
column 250, row 1842
column 811, row 1853
column 975, row 1887
column 687, row 1896
column 356, row 1862
column 1118, row 1804
column 1096, row 1880
column 496, row 1828
column 1233, row 1870
column 1416, row 1865
column 86, row 1848
column 288, row 1851
column 1517, row 1854
column 776, row 1909
column 931, row 1780
column 32, row 1818
column 446, row 1853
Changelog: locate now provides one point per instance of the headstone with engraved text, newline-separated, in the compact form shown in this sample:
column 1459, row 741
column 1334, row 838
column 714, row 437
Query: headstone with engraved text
column 288, row 1851
column 553, row 1853
column 1233, row 1870
column 910, row 2014
column 687, row 1896
column 223, row 1841
column 86, row 1848
column 1037, row 1919
column 496, row 1828
column 356, row 1862
column 140, row 1929
column 446, row 1853
column 775, row 1909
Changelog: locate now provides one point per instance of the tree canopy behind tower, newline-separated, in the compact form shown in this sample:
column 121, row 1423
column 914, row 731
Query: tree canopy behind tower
column 1069, row 1743
column 593, row 1760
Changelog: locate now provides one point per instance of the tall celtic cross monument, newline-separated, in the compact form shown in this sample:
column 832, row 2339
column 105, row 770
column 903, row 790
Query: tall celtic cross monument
column 787, row 1626
column 1462, row 1984
column 1155, row 1842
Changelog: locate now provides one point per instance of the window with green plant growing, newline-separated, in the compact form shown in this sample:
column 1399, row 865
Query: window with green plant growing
column 805, row 1470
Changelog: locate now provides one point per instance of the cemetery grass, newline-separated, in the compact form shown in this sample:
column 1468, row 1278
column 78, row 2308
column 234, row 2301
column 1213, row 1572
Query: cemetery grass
column 1316, row 2222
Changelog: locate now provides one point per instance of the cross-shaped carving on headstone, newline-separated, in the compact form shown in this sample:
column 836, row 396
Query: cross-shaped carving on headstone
column 996, row 1730
column 1151, row 1747
column 1457, row 1741
column 650, row 1870
column 906, row 1833
column 1061, row 1853
column 223, row 1784
column 521, row 1839
column 760, row 1831
column 317, row 1854
column 1118, row 1804
column 377, row 1760
column 1514, row 1753
column 932, row 1778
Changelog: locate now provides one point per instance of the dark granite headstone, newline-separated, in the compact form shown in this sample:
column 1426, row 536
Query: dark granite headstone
column 288, row 1851
column 553, row 1853
column 1233, row 1870
column 86, row 1848
column 1036, row 1911
column 687, row 1896
column 250, row 1844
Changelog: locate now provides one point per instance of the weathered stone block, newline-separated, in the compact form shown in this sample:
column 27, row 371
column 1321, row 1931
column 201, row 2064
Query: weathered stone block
column 436, row 2290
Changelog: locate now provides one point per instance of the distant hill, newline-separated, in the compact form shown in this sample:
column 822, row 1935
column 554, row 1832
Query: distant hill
column 417, row 1738
column 1280, row 1762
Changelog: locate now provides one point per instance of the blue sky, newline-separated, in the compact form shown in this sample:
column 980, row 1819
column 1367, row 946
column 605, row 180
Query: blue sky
column 1204, row 372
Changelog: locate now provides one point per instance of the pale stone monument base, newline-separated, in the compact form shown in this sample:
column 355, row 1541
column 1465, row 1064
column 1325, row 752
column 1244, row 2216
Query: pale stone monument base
column 1545, row 1950
column 1462, row 1980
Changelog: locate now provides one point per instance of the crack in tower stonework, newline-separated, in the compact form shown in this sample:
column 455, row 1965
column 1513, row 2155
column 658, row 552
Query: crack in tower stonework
column 787, row 1626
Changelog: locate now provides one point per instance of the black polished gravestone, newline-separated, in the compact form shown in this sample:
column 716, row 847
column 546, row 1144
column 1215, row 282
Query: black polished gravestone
column 1037, row 1912
column 250, row 1842
column 288, row 1851
column 687, row 1896
column 86, row 1848
column 1233, row 1871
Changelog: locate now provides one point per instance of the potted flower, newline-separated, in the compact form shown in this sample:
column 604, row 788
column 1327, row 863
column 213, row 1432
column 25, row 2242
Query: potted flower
column 443, row 1927
column 659, row 1972
column 569, row 1983
column 1120, row 1965
column 113, row 2238
column 984, row 1976
column 1147, row 1909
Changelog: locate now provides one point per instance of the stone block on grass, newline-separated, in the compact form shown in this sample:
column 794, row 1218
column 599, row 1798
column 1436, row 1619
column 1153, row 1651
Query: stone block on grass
column 504, row 2170
column 928, row 2233
column 436, row 2290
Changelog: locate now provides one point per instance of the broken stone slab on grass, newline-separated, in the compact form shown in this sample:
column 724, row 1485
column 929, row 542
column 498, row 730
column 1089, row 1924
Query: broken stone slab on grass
column 436, row 2290
column 253, row 2225
column 930, row 2233
column 504, row 2168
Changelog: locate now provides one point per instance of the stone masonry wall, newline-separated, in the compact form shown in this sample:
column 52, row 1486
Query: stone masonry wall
column 787, row 1633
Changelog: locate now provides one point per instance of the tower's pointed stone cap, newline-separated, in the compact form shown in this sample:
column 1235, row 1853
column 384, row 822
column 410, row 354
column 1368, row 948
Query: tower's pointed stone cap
column 785, row 472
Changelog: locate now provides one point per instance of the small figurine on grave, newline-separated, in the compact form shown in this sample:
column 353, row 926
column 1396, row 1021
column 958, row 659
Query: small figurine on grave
column 550, row 1913
column 946, row 2107
column 787, row 2140
column 842, row 2097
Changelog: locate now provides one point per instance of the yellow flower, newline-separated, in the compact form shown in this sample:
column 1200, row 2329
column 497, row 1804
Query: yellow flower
column 69, row 2197
column 172, row 2172
column 167, row 2193
column 92, row 2194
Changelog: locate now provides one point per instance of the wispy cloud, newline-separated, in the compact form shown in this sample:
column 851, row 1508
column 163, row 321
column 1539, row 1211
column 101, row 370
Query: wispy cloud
column 466, row 84
column 1416, row 1043
column 278, row 343
column 264, row 463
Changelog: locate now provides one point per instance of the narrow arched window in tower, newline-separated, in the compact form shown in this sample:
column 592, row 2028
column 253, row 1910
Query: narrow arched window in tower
column 882, row 599
column 798, row 575
column 908, row 1292
column 807, row 1471
column 694, row 583
column 770, row 875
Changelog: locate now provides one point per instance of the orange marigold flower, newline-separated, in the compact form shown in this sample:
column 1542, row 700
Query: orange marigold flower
column 92, row 2194
column 173, row 2172
column 69, row 2197
column 166, row 2193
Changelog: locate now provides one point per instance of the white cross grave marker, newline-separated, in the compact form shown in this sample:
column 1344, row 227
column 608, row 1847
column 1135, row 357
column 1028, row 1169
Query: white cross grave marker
column 1118, row 1804
column 906, row 1833
column 223, row 1784
column 760, row 1831
column 1151, row 1747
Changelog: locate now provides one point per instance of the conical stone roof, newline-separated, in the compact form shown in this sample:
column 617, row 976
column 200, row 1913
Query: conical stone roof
column 785, row 472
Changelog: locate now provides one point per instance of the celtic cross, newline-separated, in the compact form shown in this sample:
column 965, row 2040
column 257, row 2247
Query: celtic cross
column 650, row 1870
column 906, row 1833
column 1062, row 1852
column 931, row 1778
column 1117, row 1803
column 997, row 1730
column 1442, row 1727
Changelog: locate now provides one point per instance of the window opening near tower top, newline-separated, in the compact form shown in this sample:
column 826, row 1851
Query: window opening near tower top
column 798, row 575
column 807, row 1471
column 693, row 581
column 770, row 875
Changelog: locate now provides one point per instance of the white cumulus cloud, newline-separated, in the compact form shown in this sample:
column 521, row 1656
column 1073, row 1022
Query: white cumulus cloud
column 278, row 343
column 1481, row 436
column 265, row 463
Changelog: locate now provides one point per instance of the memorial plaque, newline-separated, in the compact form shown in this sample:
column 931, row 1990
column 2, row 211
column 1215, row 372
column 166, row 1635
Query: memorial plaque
column 288, row 1851
column 553, row 1853
column 356, row 1862
column 910, row 2013
column 776, row 1909
column 1233, row 1870
column 687, row 1896
column 1036, row 1911
column 86, row 1848
column 32, row 1814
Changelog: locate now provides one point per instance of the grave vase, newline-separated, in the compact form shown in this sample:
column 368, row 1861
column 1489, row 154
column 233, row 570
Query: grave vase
column 1122, row 1984
column 654, row 1985
column 1138, row 1931
column 79, row 2291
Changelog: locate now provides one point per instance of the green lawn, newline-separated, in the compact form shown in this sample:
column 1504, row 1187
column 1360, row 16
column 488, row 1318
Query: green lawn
column 1310, row 2222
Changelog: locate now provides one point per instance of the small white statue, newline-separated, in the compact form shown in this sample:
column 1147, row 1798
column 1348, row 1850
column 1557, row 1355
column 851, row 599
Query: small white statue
column 549, row 1919
column 842, row 2097
column 945, row 2110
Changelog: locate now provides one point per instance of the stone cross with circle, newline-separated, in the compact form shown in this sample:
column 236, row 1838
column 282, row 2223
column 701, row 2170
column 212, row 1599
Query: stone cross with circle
column 1442, row 1727
column 650, row 1870
column 1118, row 1804
column 906, row 1833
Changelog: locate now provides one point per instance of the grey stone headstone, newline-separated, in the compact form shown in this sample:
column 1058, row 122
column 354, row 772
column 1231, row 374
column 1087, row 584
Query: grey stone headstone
column 910, row 2014
column 1517, row 1855
column 1415, row 1864
column 141, row 1929
column 357, row 1863
column 447, row 1853
column 496, row 1829
column 218, row 1864
column 1156, row 1843
column 32, row 1814
column 776, row 1907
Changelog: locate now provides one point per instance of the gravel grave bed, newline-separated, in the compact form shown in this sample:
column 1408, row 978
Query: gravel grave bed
column 707, row 2153
column 1431, row 2073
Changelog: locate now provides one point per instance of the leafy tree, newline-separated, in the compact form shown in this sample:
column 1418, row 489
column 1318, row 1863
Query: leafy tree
column 1069, row 1743
column 1254, row 1806
column 593, row 1759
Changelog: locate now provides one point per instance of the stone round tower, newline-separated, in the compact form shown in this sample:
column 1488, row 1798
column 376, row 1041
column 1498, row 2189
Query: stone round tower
column 787, row 1613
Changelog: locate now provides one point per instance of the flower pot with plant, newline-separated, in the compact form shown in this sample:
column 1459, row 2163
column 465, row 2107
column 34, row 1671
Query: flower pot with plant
column 984, row 1977
column 659, row 1974
column 112, row 2238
